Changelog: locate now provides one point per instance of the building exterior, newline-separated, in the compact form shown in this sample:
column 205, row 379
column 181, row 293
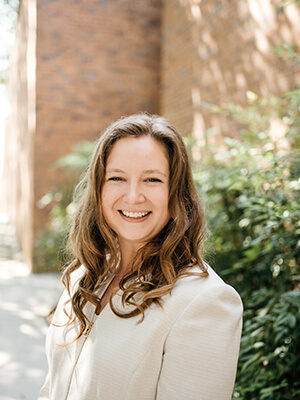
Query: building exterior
column 78, row 65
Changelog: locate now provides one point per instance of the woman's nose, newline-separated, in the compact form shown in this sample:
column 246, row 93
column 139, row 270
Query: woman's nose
column 133, row 194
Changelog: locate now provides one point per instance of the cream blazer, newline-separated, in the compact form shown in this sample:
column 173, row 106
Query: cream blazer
column 187, row 350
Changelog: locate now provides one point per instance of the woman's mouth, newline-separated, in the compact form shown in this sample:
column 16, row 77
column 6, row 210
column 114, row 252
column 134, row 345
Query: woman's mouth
column 135, row 214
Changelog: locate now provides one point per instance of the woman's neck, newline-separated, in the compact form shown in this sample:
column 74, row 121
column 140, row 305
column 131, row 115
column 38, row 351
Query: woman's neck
column 126, row 262
column 125, row 265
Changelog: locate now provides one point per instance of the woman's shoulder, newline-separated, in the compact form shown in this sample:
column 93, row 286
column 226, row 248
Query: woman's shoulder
column 196, row 297
column 192, row 288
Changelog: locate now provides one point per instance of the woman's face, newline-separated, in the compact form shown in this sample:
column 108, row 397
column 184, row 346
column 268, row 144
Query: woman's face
column 135, row 194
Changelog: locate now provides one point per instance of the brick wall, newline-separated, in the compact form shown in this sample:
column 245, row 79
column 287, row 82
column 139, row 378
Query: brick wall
column 96, row 61
column 215, row 51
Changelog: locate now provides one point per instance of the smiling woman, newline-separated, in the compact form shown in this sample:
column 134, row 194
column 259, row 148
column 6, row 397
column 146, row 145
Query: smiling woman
column 143, row 316
column 135, row 202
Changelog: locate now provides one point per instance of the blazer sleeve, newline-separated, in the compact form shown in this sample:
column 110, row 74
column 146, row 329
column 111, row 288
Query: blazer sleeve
column 201, row 350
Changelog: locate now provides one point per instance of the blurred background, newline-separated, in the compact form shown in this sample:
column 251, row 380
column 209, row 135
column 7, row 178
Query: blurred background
column 226, row 74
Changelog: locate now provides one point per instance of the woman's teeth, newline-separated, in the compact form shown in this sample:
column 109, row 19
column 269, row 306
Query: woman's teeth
column 134, row 214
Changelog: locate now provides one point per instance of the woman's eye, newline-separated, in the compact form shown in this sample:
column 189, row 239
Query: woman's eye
column 154, row 180
column 115, row 179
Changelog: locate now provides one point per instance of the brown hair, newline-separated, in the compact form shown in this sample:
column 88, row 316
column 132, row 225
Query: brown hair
column 168, row 255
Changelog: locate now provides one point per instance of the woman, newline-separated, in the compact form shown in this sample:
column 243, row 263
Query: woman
column 142, row 316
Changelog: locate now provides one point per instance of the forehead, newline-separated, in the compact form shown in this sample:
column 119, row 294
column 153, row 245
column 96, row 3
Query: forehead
column 144, row 151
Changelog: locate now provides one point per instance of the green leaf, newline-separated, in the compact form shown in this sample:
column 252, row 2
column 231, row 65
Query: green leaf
column 252, row 253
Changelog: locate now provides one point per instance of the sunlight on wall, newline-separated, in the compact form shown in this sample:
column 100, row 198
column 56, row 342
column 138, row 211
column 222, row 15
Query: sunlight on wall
column 196, row 12
column 229, row 46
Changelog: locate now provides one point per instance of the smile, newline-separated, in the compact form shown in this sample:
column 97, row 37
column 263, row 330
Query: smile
column 130, row 214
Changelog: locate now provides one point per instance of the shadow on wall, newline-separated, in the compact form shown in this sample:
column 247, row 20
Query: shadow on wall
column 224, row 50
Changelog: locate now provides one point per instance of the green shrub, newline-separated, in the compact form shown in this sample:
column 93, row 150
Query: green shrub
column 251, row 191
column 51, row 245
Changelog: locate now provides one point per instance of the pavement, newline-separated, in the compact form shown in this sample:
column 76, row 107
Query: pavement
column 25, row 301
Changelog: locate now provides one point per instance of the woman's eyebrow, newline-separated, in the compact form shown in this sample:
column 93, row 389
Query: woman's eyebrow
column 155, row 171
column 148, row 171
column 115, row 170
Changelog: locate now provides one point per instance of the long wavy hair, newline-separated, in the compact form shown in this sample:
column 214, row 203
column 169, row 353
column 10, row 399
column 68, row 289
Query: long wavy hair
column 168, row 255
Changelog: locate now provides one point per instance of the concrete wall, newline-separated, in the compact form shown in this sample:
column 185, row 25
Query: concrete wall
column 20, row 130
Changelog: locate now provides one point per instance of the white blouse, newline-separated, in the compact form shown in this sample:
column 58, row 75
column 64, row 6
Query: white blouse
column 187, row 350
